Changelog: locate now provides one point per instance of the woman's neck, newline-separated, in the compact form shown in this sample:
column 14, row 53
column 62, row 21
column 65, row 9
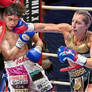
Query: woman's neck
column 80, row 37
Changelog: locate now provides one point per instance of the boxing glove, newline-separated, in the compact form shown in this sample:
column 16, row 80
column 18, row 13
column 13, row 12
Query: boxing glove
column 34, row 54
column 71, row 55
column 23, row 38
column 22, row 27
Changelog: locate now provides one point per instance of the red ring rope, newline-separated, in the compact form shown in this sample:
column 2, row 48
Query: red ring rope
column 70, row 68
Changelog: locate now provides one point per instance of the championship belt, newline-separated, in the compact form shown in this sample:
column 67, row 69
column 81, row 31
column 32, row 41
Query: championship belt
column 76, row 76
column 75, row 73
column 77, row 81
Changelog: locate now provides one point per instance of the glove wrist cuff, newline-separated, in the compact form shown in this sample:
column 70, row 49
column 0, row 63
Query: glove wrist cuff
column 38, row 48
column 81, row 60
column 20, row 43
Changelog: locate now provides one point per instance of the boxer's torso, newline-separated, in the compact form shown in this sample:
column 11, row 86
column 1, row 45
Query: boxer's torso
column 8, row 43
column 83, row 47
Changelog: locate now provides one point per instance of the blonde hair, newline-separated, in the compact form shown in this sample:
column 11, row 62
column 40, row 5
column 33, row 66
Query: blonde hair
column 86, row 14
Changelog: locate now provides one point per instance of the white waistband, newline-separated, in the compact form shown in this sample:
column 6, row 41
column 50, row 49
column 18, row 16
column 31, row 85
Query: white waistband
column 19, row 61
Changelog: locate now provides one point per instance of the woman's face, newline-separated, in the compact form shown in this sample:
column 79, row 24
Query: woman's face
column 78, row 24
column 11, row 21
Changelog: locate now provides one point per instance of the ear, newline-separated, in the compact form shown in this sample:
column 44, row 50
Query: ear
column 87, row 26
column 4, row 15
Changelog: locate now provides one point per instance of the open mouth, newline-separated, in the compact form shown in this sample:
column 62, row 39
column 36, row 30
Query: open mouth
column 75, row 31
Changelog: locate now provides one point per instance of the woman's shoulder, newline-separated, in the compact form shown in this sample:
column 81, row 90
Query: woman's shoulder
column 89, row 38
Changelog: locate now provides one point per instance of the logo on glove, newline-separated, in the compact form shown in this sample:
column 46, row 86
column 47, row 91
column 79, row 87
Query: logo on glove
column 25, row 37
column 66, row 53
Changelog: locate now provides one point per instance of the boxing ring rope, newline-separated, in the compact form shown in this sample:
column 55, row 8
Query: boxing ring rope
column 60, row 83
column 65, row 8
column 49, row 54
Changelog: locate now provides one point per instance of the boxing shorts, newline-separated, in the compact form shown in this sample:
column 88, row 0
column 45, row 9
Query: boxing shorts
column 24, row 75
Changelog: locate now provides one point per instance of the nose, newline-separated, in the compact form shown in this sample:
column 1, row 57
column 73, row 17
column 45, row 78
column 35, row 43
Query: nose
column 13, row 23
column 73, row 24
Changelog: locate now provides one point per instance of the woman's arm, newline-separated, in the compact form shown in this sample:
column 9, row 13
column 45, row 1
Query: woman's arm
column 60, row 28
